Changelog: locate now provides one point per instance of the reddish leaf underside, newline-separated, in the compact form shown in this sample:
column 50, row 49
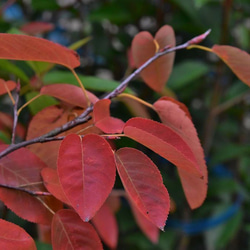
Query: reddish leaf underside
column 27, row 48
column 143, row 183
column 29, row 207
column 69, row 232
column 69, row 93
column 164, row 141
column 43, row 122
column 114, row 202
column 44, row 233
column 86, row 169
column 175, row 115
column 21, row 168
column 52, row 183
column 34, row 28
column 103, row 120
column 105, row 224
column 14, row 237
column 147, row 227
column 237, row 60
column 6, row 86
column 143, row 48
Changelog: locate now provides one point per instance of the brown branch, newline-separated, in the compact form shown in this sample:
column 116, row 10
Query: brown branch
column 15, row 115
column 84, row 117
column 33, row 193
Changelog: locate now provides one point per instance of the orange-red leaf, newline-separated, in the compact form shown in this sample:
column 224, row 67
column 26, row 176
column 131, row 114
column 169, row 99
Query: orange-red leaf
column 70, row 232
column 106, row 225
column 175, row 115
column 144, row 47
column 103, row 120
column 14, row 237
column 68, row 93
column 43, row 122
column 86, row 169
column 143, row 183
column 164, row 141
column 34, row 28
column 237, row 60
column 6, row 86
column 52, row 183
column 28, row 48
column 147, row 227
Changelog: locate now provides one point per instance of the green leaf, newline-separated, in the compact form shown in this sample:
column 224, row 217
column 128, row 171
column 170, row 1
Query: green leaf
column 14, row 30
column 114, row 12
column 238, row 88
column 185, row 73
column 229, row 152
column 4, row 138
column 11, row 68
column 229, row 231
column 80, row 43
column 40, row 103
column 44, row 5
column 188, row 8
column 89, row 82
column 200, row 3
column 43, row 246
column 40, row 67
column 221, row 186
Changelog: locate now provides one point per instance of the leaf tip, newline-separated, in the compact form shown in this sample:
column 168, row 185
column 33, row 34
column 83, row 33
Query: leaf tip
column 87, row 219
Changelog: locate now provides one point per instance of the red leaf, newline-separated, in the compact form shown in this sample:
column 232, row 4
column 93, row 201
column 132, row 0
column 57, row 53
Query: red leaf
column 143, row 48
column 29, row 207
column 175, row 115
column 143, row 183
column 14, row 237
column 69, row 93
column 164, row 141
column 237, row 60
column 34, row 28
column 104, row 121
column 6, row 86
column 147, row 227
column 21, row 168
column 44, row 233
column 114, row 202
column 105, row 224
column 86, row 169
column 70, row 232
column 28, row 48
column 52, row 183
column 43, row 122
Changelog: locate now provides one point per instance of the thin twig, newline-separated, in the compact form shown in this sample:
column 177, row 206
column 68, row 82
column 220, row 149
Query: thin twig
column 33, row 193
column 9, row 93
column 15, row 107
column 84, row 117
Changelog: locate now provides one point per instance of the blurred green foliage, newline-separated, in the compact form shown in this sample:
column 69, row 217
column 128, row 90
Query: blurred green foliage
column 199, row 80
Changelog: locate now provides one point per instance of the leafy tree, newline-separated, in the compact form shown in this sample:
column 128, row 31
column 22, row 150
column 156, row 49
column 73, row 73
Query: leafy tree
column 59, row 170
